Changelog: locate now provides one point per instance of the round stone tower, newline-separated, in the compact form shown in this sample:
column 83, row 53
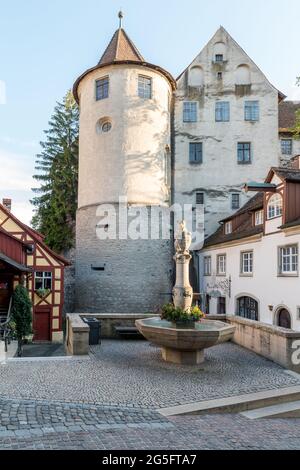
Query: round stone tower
column 125, row 140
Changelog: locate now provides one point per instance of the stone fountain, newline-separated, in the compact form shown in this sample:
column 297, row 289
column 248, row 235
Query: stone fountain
column 184, row 345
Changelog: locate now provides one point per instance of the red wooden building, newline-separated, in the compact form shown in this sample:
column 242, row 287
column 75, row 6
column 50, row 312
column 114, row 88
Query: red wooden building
column 25, row 256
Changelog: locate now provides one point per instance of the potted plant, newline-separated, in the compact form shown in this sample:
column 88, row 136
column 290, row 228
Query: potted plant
column 182, row 318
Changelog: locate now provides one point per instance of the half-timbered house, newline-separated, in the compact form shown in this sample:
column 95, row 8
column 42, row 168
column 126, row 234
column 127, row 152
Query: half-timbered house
column 24, row 257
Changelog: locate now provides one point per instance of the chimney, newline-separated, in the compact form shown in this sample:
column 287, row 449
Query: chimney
column 295, row 162
column 7, row 203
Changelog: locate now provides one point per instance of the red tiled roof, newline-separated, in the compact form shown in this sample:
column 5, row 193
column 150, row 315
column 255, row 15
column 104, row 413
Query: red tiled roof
column 120, row 48
column 287, row 117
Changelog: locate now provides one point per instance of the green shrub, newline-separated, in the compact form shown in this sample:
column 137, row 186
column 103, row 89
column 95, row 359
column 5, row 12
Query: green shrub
column 21, row 315
column 172, row 314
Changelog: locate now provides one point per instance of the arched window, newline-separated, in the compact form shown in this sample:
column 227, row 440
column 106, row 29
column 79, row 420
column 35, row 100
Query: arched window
column 247, row 308
column 219, row 52
column 275, row 206
column 196, row 76
column 243, row 75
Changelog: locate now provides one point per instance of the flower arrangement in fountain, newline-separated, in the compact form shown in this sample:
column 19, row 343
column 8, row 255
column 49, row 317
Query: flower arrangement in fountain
column 178, row 315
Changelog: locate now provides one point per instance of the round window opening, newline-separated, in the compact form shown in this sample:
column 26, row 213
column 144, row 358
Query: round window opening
column 106, row 126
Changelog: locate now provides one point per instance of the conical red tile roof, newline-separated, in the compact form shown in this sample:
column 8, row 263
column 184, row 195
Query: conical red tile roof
column 120, row 48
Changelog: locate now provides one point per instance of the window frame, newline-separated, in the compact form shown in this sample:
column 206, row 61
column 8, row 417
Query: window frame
column 143, row 88
column 203, row 197
column 281, row 271
column 105, row 88
column 232, row 201
column 275, row 207
column 190, row 115
column 219, row 58
column 228, row 227
column 196, row 153
column 43, row 280
column 222, row 111
column 219, row 257
column 261, row 212
column 207, row 272
column 250, row 261
column 284, row 141
column 252, row 111
column 243, row 150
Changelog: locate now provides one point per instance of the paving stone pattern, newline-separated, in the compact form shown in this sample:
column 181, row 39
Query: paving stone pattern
column 132, row 373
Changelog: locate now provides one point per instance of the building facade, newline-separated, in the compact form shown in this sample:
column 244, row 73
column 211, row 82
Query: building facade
column 153, row 142
column 250, row 265
column 289, row 147
column 24, row 258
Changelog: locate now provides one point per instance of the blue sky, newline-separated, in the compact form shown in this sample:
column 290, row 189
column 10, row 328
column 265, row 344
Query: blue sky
column 46, row 44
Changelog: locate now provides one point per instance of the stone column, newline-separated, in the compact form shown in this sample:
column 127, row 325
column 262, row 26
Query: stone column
column 182, row 291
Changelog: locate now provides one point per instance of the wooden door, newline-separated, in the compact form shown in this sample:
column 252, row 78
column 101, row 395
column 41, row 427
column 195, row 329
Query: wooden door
column 41, row 324
column 5, row 292
column 284, row 319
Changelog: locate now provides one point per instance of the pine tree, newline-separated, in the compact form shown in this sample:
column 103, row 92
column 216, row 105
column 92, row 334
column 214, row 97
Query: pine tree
column 57, row 171
column 21, row 315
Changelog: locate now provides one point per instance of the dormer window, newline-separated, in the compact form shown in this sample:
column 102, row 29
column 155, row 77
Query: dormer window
column 228, row 228
column 275, row 206
column 259, row 217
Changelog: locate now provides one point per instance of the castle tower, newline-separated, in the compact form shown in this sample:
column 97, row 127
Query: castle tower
column 125, row 139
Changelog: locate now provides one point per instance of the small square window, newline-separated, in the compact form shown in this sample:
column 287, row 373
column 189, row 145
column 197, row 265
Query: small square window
column 145, row 87
column 196, row 152
column 252, row 111
column 222, row 111
column 286, row 146
column 235, row 201
column 102, row 88
column 219, row 58
column 189, row 111
column 43, row 280
column 200, row 199
column 244, row 153
column 219, row 75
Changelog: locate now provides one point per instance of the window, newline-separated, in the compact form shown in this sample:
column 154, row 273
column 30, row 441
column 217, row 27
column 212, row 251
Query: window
column 288, row 260
column 244, row 153
column 228, row 228
column 222, row 306
column 222, row 111
column 259, row 217
column 275, row 207
column 235, row 201
column 207, row 266
column 219, row 75
column 252, row 111
column 247, row 262
column 247, row 308
column 221, row 265
column 145, row 87
column 200, row 198
column 196, row 152
column 286, row 146
column 43, row 280
column 106, row 126
column 102, row 88
column 219, row 58
column 298, row 313
column 189, row 111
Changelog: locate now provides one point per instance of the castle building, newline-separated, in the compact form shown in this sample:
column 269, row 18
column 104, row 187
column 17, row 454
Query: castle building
column 155, row 141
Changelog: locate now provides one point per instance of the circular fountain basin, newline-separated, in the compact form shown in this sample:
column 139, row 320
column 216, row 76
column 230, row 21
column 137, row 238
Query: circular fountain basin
column 184, row 345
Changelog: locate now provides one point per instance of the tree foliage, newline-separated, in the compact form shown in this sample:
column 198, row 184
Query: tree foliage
column 21, row 315
column 296, row 128
column 57, row 172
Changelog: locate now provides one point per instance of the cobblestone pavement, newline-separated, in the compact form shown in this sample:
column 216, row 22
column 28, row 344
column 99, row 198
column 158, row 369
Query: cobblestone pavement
column 132, row 373
column 45, row 425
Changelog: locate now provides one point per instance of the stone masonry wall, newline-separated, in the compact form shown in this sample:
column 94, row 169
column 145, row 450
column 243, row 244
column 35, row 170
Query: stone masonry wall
column 137, row 273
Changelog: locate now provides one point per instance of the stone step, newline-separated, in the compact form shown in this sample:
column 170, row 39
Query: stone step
column 282, row 410
column 237, row 403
